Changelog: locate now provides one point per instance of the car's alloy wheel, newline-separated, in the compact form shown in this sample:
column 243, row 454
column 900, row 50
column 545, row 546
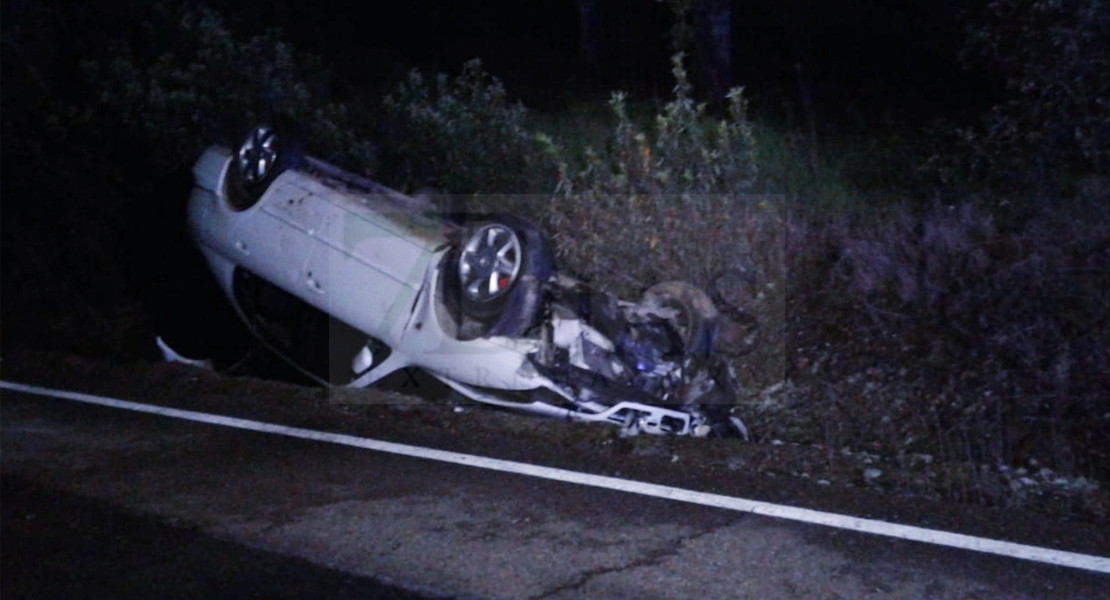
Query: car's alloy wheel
column 266, row 152
column 258, row 155
column 497, row 274
column 489, row 263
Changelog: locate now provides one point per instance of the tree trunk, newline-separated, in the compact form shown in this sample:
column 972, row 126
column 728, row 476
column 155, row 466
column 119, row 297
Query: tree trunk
column 589, row 34
column 713, row 47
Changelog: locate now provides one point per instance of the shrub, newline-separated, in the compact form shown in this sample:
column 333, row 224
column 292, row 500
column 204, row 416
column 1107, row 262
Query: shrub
column 673, row 203
column 460, row 135
column 670, row 197
column 186, row 81
column 951, row 334
column 1053, row 55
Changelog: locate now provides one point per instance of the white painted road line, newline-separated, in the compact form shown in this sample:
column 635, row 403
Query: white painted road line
column 918, row 534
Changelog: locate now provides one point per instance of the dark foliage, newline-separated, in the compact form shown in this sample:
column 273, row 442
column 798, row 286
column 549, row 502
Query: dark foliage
column 1054, row 56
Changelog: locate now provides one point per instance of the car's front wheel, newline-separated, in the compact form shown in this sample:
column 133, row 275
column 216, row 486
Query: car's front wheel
column 500, row 266
column 695, row 319
column 490, row 263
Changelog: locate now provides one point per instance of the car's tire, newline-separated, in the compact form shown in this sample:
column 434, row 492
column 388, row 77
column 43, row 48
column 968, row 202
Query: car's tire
column 266, row 152
column 740, row 330
column 696, row 319
column 500, row 266
column 697, row 323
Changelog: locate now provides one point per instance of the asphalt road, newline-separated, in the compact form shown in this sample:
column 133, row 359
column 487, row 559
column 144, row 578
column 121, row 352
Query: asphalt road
column 99, row 502
column 59, row 545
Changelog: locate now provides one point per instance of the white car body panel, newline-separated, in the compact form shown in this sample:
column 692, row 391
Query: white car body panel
column 303, row 235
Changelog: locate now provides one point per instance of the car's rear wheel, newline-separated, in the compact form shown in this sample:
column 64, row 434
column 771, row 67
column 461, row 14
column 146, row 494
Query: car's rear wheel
column 266, row 152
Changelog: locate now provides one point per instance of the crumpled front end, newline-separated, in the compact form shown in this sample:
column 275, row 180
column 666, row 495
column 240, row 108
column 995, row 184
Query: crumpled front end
column 649, row 366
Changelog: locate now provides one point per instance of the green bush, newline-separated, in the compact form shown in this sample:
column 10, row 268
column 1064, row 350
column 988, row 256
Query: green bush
column 460, row 135
column 673, row 203
column 186, row 80
column 1054, row 56
column 652, row 207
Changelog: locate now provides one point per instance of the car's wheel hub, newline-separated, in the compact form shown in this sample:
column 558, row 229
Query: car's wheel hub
column 258, row 154
column 489, row 262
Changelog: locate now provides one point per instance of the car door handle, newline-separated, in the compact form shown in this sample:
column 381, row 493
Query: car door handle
column 242, row 247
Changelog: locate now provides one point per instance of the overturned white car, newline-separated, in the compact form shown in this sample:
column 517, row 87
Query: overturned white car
column 350, row 281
